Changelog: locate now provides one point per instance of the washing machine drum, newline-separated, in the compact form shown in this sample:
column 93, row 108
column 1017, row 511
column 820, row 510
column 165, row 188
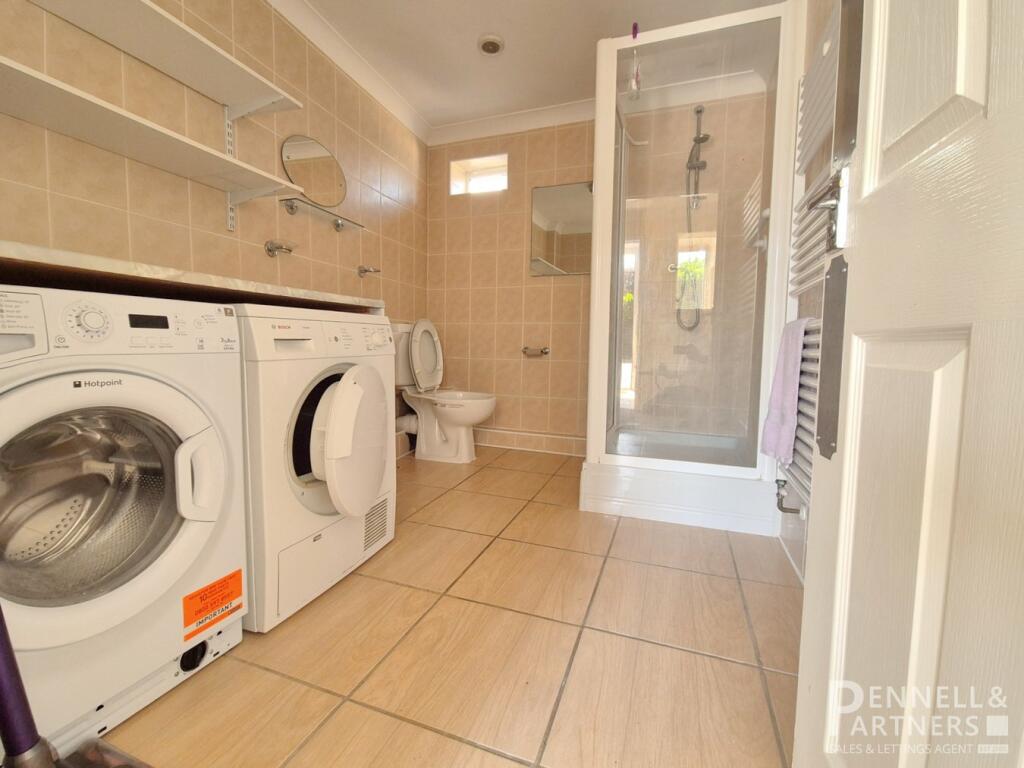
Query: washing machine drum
column 348, row 440
column 87, row 502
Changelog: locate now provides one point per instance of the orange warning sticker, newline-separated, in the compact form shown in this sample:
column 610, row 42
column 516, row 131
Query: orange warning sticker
column 212, row 604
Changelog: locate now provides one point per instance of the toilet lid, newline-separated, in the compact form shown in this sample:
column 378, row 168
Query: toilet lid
column 425, row 356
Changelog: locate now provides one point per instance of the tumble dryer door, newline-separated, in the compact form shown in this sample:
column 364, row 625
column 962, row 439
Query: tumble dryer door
column 348, row 446
column 110, row 486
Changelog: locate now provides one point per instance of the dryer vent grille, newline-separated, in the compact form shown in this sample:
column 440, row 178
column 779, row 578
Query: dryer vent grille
column 376, row 524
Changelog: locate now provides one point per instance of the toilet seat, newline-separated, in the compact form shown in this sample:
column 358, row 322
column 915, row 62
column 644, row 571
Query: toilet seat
column 425, row 357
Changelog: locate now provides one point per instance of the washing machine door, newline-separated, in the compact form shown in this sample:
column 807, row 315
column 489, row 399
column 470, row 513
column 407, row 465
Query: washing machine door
column 110, row 485
column 348, row 443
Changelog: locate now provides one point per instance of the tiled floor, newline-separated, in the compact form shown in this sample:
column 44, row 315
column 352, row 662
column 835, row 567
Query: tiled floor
column 505, row 627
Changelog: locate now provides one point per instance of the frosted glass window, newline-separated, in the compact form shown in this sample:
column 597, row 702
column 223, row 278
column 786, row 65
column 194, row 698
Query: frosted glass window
column 479, row 174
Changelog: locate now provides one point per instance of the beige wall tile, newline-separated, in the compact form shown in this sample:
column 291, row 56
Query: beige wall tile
column 208, row 207
column 153, row 95
column 204, row 120
column 321, row 79
column 257, row 220
column 571, row 145
column 541, row 150
column 215, row 255
column 22, row 152
column 369, row 118
column 208, row 31
column 21, row 32
column 289, row 54
column 346, row 94
column 484, row 232
column 157, row 194
column 82, row 170
column 173, row 7
column 79, row 225
column 459, row 235
column 254, row 29
column 256, row 145
column 216, row 13
column 535, row 414
column 160, row 242
column 26, row 214
column 295, row 271
column 563, row 416
column 256, row 265
column 83, row 61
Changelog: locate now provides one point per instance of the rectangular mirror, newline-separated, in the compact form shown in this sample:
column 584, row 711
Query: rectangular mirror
column 560, row 231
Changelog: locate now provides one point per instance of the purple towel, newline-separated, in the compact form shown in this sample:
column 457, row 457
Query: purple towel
column 780, row 424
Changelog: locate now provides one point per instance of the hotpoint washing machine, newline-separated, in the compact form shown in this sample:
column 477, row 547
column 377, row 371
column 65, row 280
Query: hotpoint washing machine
column 122, row 507
column 320, row 447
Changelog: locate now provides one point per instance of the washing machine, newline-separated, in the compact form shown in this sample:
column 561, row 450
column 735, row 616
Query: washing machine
column 122, row 506
column 320, row 448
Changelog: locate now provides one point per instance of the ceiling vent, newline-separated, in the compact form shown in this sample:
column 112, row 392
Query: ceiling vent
column 491, row 45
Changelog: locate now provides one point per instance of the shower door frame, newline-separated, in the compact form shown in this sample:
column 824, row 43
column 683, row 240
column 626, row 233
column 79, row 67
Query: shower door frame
column 776, row 301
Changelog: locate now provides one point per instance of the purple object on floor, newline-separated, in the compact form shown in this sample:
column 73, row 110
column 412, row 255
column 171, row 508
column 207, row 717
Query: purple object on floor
column 17, row 726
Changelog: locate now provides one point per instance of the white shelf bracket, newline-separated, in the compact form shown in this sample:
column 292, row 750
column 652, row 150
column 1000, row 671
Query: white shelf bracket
column 270, row 104
column 229, row 133
column 237, row 198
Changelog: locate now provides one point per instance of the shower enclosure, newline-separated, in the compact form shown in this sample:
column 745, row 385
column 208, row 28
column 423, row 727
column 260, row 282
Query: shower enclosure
column 689, row 271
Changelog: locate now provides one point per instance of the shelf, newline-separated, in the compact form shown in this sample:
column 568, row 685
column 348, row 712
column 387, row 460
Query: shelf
column 291, row 204
column 37, row 98
column 544, row 267
column 152, row 35
column 23, row 264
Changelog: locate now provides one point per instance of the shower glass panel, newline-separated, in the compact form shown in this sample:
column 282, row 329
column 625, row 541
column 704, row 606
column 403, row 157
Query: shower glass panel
column 693, row 187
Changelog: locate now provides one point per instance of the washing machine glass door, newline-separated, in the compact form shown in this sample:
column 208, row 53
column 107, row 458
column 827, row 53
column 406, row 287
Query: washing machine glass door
column 348, row 443
column 109, row 483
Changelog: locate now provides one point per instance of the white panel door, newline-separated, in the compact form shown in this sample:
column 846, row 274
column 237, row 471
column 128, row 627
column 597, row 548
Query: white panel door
column 911, row 653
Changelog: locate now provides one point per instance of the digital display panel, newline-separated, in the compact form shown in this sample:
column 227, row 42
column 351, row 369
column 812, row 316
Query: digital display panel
column 148, row 321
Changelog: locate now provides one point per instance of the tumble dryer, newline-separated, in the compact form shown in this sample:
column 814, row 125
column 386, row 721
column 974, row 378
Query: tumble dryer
column 122, row 518
column 320, row 446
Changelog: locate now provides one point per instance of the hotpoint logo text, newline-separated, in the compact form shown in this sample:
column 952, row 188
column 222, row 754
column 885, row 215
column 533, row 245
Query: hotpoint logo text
column 99, row 383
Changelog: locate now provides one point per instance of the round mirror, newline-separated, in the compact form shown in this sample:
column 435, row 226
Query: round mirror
column 311, row 165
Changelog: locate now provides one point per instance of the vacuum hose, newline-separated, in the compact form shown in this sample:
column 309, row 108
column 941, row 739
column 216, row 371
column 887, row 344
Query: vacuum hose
column 18, row 732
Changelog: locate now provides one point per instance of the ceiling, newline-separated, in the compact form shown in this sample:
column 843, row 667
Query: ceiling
column 427, row 51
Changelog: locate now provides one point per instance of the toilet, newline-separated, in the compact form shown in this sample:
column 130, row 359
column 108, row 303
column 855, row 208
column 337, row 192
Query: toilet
column 446, row 417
